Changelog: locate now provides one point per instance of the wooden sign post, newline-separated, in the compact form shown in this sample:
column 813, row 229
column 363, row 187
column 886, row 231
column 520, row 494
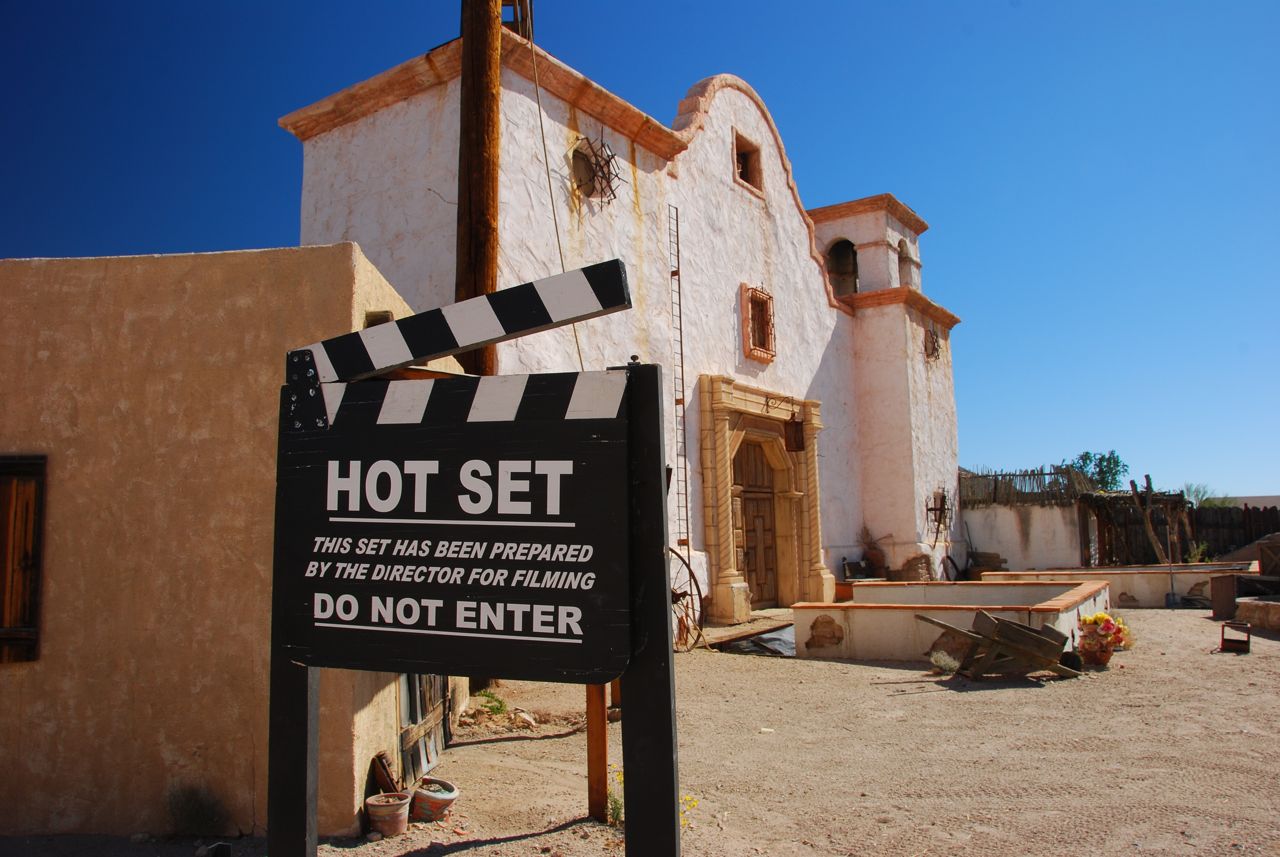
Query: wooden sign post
column 510, row 526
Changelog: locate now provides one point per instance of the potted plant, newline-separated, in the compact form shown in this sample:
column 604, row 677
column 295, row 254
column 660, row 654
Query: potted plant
column 1100, row 635
column 432, row 799
column 388, row 813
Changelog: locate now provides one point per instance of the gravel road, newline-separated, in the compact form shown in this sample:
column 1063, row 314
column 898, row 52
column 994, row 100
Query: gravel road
column 1170, row 751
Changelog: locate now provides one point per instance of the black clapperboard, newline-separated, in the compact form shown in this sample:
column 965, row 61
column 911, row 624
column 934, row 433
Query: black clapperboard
column 469, row 525
column 510, row 526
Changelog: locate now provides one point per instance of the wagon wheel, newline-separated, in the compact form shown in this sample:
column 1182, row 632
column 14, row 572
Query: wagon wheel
column 686, row 601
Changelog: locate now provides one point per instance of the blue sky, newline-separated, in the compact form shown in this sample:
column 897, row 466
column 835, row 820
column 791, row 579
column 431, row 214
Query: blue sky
column 1102, row 179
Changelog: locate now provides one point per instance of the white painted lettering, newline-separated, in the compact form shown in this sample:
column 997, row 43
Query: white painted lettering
column 553, row 470
column 378, row 502
column 349, row 484
column 480, row 496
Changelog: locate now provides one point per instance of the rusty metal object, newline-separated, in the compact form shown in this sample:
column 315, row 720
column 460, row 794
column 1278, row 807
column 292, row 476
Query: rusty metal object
column 1239, row 645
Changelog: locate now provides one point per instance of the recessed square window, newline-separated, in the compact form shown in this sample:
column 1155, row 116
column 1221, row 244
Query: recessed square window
column 757, row 323
column 746, row 162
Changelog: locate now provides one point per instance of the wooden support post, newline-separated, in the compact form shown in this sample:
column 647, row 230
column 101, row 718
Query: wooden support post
column 1145, row 509
column 652, row 792
column 615, row 693
column 293, row 718
column 1185, row 519
column 597, row 754
column 476, row 271
column 292, row 753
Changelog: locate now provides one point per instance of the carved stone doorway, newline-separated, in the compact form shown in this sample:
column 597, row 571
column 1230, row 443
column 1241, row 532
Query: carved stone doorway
column 759, row 469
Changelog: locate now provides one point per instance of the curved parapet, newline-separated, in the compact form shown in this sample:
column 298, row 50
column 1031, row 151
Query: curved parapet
column 691, row 118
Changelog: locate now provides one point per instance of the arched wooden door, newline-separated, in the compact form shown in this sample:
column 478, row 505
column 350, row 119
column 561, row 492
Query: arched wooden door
column 754, row 524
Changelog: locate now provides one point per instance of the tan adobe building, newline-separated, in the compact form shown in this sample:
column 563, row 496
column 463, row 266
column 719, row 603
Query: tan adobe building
column 140, row 397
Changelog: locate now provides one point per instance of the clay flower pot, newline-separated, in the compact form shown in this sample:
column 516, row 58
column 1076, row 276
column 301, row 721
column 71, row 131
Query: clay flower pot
column 1097, row 655
column 432, row 799
column 388, row 813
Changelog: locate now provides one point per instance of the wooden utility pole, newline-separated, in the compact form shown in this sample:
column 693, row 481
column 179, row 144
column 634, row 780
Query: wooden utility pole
column 478, row 139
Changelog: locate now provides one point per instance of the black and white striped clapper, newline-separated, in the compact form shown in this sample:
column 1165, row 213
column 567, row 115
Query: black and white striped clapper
column 461, row 525
column 506, row 314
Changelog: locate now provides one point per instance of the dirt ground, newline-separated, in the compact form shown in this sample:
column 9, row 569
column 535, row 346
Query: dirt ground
column 1170, row 751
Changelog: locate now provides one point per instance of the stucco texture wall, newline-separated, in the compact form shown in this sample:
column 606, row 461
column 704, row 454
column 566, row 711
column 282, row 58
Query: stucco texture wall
column 884, row 427
column 152, row 383
column 390, row 184
column 934, row 437
column 1028, row 537
column 731, row 234
column 909, row 442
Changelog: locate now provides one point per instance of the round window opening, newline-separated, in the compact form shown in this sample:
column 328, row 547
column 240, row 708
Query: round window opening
column 594, row 169
column 584, row 173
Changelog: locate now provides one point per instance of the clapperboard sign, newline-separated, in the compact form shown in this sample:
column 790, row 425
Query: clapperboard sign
column 501, row 526
column 476, row 526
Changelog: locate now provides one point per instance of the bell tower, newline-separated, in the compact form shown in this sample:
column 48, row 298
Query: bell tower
column 902, row 378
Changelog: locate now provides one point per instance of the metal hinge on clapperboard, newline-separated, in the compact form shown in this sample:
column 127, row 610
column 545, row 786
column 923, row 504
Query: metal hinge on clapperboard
column 316, row 375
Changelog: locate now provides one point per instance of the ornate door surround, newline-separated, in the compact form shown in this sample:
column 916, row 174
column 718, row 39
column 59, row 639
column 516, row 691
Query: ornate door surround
column 731, row 412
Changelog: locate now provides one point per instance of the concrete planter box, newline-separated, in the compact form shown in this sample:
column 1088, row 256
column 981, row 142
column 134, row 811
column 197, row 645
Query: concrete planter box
column 1260, row 613
column 1135, row 585
column 879, row 623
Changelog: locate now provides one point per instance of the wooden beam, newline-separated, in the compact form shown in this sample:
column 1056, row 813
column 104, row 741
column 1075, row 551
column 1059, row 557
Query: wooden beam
column 1145, row 509
column 476, row 270
column 597, row 754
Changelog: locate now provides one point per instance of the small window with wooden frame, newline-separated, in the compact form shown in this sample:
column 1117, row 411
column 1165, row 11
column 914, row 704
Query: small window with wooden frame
column 746, row 164
column 22, row 480
column 757, row 323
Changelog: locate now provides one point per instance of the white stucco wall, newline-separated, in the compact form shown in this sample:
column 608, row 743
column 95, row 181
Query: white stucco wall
column 884, row 425
column 1028, row 537
column 390, row 183
column 907, row 432
column 387, row 181
column 934, row 437
column 730, row 236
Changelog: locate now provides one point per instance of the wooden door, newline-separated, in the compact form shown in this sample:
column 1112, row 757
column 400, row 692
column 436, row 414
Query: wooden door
column 760, row 554
column 753, row 477
column 424, row 723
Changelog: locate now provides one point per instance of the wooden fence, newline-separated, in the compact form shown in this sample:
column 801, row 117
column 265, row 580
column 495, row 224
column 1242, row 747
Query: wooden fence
column 1225, row 529
column 1052, row 486
column 1123, row 538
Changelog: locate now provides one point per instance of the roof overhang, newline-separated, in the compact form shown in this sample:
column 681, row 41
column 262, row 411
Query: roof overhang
column 445, row 63
column 910, row 297
column 885, row 202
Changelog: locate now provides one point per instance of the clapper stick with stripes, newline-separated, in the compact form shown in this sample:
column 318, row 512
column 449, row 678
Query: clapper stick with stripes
column 517, row 311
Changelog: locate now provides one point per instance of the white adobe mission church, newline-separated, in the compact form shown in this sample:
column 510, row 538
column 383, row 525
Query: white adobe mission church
column 810, row 406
